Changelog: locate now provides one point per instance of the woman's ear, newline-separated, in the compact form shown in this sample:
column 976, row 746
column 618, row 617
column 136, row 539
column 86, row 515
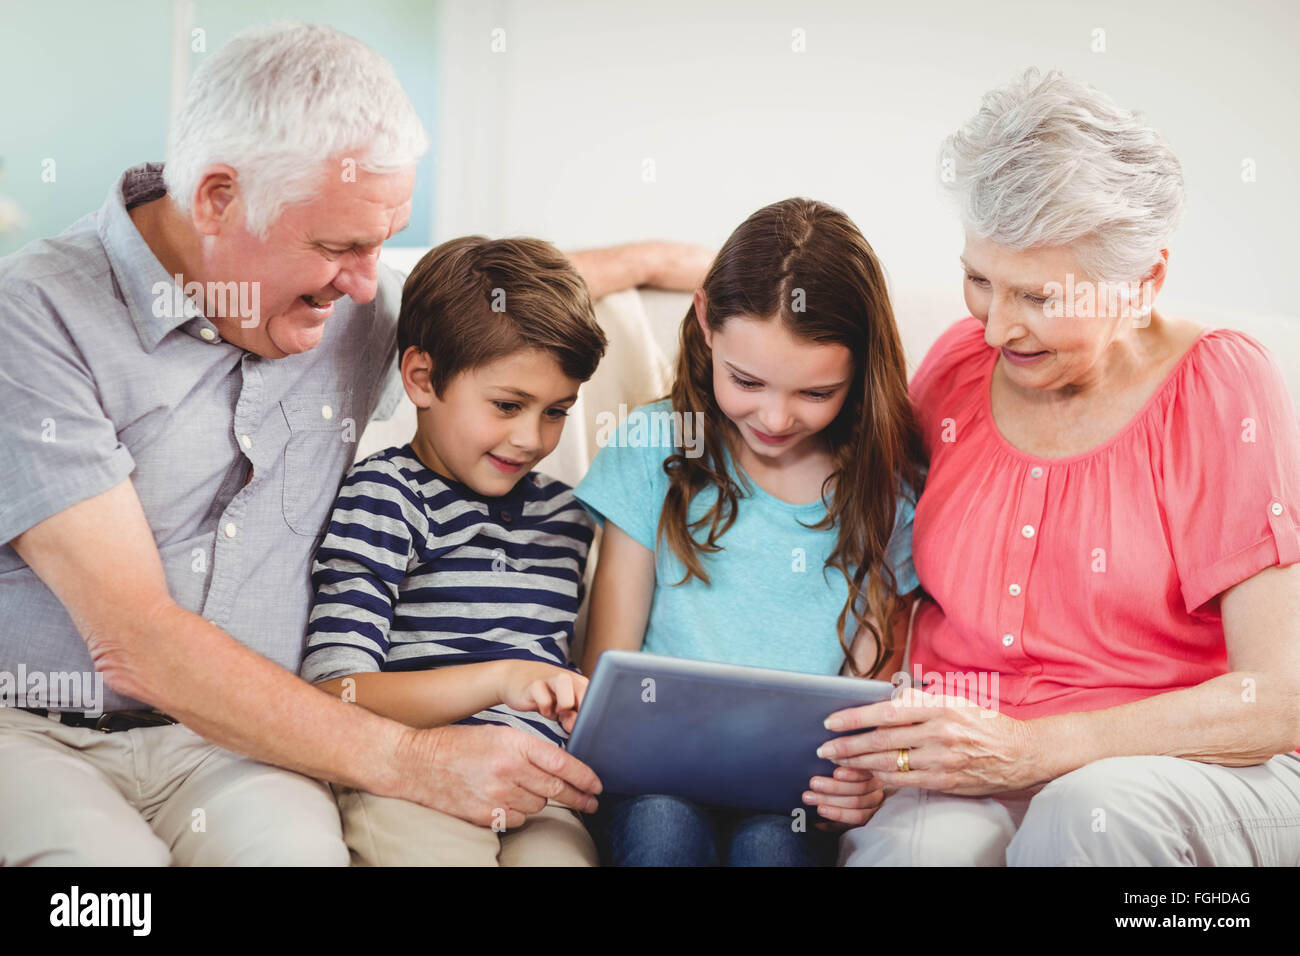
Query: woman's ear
column 700, row 304
column 416, row 366
column 1151, row 284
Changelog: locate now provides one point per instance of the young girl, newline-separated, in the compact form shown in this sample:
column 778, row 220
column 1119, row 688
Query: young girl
column 783, row 532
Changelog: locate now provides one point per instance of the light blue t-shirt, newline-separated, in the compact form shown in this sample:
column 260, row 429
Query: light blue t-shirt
column 769, row 603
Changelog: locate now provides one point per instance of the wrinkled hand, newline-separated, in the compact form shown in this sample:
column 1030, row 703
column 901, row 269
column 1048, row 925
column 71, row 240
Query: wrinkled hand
column 955, row 746
column 480, row 773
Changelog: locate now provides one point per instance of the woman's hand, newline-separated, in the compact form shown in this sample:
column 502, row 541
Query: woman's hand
column 553, row 692
column 847, row 800
column 954, row 745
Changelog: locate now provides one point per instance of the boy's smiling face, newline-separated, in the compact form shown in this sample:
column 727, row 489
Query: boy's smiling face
column 493, row 423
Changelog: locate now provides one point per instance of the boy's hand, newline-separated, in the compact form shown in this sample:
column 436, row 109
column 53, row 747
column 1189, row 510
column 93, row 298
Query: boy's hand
column 554, row 692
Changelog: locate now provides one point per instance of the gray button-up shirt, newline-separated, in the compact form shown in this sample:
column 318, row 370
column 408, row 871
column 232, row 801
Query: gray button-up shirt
column 236, row 458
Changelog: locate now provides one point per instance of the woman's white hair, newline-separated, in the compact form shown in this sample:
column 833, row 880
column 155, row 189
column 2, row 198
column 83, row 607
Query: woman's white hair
column 277, row 101
column 1048, row 161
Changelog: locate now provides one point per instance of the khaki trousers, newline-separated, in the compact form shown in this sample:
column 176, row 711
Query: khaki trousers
column 385, row 831
column 153, row 796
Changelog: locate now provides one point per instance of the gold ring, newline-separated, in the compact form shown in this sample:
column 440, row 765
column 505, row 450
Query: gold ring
column 903, row 766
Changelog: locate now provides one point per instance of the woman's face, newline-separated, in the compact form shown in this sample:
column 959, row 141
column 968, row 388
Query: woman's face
column 778, row 390
column 1053, row 323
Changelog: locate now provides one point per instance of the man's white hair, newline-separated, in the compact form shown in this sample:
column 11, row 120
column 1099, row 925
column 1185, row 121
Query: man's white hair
column 275, row 102
column 1049, row 161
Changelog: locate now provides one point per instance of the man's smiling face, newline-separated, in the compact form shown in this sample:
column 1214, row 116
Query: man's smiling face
column 315, row 252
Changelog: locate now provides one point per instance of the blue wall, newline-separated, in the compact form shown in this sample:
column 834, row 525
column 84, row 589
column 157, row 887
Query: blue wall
column 88, row 84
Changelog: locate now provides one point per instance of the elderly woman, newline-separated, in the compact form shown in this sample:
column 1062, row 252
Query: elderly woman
column 1108, row 538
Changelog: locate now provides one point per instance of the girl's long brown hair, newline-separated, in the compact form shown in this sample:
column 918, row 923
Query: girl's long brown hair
column 790, row 254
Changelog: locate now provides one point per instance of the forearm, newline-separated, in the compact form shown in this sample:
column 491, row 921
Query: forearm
column 1239, row 719
column 665, row 265
column 181, row 664
column 428, row 698
column 611, row 626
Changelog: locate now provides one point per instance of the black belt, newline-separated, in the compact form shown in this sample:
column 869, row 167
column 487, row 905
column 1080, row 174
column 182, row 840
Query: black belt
column 109, row 722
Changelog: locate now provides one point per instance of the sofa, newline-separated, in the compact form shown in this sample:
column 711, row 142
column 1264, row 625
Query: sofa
column 642, row 326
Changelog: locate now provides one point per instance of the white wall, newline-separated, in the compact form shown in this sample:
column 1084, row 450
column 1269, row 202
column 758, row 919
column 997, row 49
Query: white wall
column 549, row 137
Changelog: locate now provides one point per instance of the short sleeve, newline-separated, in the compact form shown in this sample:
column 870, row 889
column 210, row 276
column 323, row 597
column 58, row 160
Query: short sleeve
column 358, row 574
column 57, row 445
column 1231, row 471
column 626, row 483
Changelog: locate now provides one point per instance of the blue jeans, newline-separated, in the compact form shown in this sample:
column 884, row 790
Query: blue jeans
column 657, row 830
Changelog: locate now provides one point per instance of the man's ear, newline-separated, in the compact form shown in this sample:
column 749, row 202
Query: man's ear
column 700, row 304
column 416, row 368
column 218, row 201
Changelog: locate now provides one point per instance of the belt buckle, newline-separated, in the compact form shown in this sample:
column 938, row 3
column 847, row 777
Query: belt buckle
column 134, row 719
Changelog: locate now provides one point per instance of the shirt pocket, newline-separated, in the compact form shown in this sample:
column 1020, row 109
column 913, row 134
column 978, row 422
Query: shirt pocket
column 321, row 446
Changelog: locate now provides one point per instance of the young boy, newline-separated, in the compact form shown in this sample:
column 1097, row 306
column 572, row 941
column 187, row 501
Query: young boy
column 450, row 578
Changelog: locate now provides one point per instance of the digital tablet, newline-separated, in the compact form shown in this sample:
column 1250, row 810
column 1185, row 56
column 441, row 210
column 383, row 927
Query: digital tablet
column 719, row 734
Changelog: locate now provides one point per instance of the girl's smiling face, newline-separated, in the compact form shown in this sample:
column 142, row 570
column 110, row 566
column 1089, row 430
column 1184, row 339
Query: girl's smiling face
column 778, row 390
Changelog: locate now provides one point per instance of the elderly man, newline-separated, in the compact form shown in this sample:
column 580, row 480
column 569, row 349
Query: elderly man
column 185, row 375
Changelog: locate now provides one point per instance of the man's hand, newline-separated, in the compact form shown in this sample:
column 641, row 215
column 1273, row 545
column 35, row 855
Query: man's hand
column 492, row 775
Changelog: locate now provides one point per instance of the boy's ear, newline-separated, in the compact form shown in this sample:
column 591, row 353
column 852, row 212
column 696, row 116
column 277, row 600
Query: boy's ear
column 700, row 304
column 416, row 367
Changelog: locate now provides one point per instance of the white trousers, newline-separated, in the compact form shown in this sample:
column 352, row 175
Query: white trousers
column 1121, row 811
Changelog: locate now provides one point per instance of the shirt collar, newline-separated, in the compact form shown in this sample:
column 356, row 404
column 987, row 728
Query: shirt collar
column 155, row 301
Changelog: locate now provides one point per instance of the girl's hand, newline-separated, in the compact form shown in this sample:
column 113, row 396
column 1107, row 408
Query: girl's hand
column 847, row 800
column 954, row 745
column 554, row 692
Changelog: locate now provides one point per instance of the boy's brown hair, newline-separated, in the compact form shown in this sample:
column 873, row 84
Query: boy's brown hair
column 474, row 300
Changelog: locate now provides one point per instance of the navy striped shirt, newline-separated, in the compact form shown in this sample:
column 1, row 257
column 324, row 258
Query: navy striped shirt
column 419, row 571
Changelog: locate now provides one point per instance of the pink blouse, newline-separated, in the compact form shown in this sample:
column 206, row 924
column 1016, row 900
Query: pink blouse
column 1084, row 582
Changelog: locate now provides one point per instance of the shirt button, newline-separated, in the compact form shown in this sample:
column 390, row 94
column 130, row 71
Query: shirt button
column 1015, row 590
column 505, row 517
column 1036, row 472
column 1008, row 640
column 230, row 529
column 326, row 412
column 1276, row 508
column 1027, row 531
column 208, row 335
column 246, row 441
